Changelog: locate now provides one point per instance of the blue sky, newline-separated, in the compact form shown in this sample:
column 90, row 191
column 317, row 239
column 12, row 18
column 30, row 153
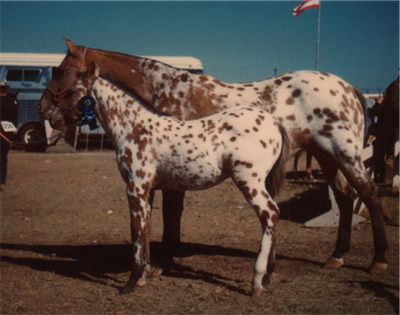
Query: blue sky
column 237, row 41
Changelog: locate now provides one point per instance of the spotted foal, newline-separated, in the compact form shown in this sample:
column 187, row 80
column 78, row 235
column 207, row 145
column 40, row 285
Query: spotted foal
column 160, row 152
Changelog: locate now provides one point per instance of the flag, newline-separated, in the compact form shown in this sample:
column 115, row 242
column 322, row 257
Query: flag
column 308, row 4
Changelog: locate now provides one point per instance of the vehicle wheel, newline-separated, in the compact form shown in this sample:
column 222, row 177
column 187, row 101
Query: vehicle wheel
column 31, row 135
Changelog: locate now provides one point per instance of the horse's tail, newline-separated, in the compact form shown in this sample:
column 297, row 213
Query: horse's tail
column 363, row 102
column 276, row 177
column 361, row 98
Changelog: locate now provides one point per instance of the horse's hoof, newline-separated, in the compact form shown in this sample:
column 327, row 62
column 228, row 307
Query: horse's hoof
column 377, row 267
column 128, row 289
column 334, row 263
column 257, row 291
column 154, row 272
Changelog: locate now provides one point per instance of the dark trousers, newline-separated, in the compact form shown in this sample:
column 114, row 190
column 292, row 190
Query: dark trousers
column 5, row 147
column 383, row 146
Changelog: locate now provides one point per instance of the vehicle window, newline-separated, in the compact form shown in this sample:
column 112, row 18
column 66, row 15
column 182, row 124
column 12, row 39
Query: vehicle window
column 23, row 75
column 31, row 75
column 14, row 75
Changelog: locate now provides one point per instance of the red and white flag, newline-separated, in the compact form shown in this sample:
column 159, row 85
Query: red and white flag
column 308, row 4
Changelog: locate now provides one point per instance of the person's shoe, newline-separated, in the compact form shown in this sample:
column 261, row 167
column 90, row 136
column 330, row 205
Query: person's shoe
column 2, row 187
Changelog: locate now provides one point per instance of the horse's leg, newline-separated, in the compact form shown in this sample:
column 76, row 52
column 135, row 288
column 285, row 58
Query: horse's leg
column 356, row 176
column 345, row 203
column 172, row 213
column 296, row 162
column 140, row 215
column 369, row 194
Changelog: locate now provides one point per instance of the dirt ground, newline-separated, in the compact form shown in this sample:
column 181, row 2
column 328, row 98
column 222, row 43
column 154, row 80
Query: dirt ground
column 65, row 248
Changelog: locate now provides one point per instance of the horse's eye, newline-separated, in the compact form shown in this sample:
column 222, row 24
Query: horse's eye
column 56, row 72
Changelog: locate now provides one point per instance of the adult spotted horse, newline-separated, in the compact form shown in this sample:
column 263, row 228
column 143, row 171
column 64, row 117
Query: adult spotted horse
column 319, row 111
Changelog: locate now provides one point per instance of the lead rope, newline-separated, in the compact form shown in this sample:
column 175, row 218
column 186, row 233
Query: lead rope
column 32, row 145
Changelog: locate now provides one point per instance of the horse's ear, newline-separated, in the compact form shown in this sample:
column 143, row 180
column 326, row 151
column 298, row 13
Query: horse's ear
column 71, row 46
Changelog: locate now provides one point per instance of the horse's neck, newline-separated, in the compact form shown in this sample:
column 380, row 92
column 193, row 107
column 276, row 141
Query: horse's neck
column 141, row 77
column 169, row 90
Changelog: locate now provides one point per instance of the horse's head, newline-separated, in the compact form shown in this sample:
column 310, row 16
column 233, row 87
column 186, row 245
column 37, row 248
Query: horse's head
column 55, row 104
column 74, row 103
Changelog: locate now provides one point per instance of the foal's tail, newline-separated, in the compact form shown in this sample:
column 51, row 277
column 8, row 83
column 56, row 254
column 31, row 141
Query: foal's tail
column 276, row 177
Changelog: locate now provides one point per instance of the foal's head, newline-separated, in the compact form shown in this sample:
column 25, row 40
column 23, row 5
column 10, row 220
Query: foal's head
column 84, row 84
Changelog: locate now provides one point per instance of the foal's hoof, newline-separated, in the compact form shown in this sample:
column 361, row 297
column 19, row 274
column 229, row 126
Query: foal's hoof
column 257, row 291
column 334, row 263
column 141, row 282
column 155, row 271
column 377, row 267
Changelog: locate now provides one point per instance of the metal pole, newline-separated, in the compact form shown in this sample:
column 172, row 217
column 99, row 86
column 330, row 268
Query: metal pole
column 318, row 27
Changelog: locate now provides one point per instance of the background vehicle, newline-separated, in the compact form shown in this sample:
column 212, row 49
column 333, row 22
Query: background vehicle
column 29, row 74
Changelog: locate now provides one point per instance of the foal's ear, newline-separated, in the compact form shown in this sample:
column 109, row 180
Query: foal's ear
column 93, row 72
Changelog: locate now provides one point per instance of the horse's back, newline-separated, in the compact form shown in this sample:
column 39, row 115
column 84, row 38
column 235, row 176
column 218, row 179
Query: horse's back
column 313, row 104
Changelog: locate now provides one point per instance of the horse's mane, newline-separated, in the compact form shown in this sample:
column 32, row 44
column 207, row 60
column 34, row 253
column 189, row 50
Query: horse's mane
column 142, row 58
column 131, row 91
column 142, row 102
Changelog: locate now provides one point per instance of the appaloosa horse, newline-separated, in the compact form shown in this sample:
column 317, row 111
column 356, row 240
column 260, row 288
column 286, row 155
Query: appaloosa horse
column 155, row 151
column 320, row 112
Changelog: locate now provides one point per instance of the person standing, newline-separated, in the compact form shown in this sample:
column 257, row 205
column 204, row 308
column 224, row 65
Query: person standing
column 9, row 114
column 387, row 128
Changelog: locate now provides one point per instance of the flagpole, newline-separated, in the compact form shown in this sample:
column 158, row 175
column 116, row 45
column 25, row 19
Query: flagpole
column 318, row 27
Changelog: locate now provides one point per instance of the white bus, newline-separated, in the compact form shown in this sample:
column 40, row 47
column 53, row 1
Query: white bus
column 28, row 76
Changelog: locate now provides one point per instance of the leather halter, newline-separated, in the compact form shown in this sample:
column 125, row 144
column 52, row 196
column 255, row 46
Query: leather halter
column 56, row 95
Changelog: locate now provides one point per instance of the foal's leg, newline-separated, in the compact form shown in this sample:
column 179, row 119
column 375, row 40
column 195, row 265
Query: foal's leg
column 268, row 213
column 271, row 262
column 140, row 214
